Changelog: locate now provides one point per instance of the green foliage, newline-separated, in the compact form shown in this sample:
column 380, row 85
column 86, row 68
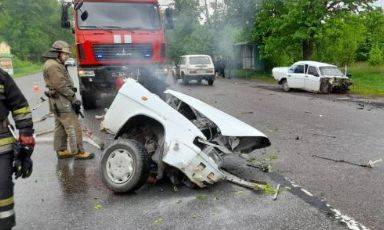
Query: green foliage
column 367, row 80
column 22, row 68
column 376, row 56
column 31, row 26
column 299, row 29
column 340, row 40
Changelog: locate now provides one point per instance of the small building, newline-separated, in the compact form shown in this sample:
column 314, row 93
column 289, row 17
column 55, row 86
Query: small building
column 6, row 58
column 248, row 57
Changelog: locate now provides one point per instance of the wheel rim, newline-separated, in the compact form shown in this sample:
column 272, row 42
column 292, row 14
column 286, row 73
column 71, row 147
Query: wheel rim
column 120, row 166
column 285, row 86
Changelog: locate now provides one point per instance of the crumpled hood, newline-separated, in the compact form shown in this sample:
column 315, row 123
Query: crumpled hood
column 228, row 125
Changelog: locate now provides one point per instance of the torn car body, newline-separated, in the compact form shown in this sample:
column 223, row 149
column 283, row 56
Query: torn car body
column 182, row 134
column 312, row 76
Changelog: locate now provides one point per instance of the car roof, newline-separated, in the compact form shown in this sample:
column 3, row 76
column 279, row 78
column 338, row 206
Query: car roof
column 196, row 55
column 313, row 63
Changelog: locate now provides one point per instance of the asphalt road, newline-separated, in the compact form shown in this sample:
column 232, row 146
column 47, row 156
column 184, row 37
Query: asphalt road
column 69, row 194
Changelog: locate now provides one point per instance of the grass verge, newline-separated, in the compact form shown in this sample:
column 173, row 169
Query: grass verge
column 367, row 80
column 23, row 68
column 254, row 75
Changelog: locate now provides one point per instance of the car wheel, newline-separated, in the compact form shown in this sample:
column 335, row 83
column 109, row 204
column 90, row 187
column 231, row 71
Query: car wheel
column 125, row 166
column 210, row 82
column 285, row 86
column 185, row 79
column 89, row 100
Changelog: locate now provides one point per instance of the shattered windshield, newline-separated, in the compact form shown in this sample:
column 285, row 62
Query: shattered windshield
column 199, row 60
column 120, row 16
column 330, row 71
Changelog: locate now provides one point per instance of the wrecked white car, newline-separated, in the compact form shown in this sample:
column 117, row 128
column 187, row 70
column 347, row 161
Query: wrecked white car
column 312, row 76
column 182, row 138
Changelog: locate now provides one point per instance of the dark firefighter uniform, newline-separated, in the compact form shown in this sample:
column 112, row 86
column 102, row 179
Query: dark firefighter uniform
column 62, row 101
column 11, row 100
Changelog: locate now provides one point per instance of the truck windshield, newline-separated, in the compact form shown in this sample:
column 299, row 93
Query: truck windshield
column 102, row 15
column 330, row 71
column 199, row 60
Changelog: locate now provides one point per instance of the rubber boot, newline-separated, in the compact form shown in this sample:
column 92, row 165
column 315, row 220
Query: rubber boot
column 84, row 156
column 64, row 154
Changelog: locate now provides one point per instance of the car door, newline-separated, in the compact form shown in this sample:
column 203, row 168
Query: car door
column 312, row 79
column 296, row 76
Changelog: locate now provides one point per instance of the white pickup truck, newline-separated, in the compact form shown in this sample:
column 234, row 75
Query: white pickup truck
column 312, row 76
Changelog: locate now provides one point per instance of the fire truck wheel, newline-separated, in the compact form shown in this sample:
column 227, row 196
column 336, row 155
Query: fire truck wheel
column 89, row 100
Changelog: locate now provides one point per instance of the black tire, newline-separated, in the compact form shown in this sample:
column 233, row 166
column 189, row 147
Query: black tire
column 89, row 100
column 210, row 81
column 284, row 85
column 185, row 79
column 141, row 161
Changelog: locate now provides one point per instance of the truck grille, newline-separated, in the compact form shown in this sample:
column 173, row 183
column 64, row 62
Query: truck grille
column 122, row 51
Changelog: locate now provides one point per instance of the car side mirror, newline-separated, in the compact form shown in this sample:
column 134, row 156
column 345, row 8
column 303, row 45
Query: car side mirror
column 169, row 24
column 84, row 15
column 78, row 5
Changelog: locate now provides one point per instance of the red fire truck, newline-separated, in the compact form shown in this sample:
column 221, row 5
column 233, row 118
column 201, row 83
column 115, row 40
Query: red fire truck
column 116, row 39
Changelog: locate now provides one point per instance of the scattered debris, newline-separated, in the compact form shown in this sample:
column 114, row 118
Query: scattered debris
column 201, row 197
column 297, row 138
column 277, row 192
column 259, row 165
column 361, row 106
column 159, row 221
column 343, row 98
column 370, row 164
column 98, row 206
column 324, row 135
column 250, row 112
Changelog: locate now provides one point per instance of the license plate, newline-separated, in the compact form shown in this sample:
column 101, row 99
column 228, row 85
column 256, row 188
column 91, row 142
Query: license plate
column 200, row 71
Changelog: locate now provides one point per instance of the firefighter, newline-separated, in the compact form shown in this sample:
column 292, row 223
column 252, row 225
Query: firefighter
column 63, row 103
column 12, row 100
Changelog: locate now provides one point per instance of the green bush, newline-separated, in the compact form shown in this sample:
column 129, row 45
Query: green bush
column 22, row 67
column 376, row 56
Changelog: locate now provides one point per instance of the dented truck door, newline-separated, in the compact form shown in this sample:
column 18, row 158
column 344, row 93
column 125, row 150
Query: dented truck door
column 312, row 79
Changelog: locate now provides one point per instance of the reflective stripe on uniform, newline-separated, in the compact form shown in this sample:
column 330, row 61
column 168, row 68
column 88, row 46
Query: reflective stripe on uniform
column 22, row 116
column 6, row 202
column 6, row 148
column 6, row 214
column 7, row 141
column 23, row 110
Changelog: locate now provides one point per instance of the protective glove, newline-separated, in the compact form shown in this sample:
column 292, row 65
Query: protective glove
column 76, row 105
column 23, row 149
column 27, row 140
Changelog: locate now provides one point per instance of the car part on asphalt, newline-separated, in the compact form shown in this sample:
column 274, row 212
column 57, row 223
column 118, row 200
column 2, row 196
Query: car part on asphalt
column 370, row 163
column 184, row 138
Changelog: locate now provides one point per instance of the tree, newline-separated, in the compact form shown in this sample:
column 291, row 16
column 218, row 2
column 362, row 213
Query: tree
column 291, row 23
column 31, row 26
column 376, row 55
